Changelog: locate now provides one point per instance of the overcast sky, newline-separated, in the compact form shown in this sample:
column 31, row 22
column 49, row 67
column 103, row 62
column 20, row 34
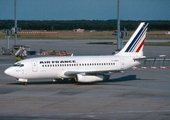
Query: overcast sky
column 85, row 9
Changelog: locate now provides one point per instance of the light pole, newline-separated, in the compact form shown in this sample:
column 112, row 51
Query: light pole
column 119, row 41
column 8, row 36
column 15, row 23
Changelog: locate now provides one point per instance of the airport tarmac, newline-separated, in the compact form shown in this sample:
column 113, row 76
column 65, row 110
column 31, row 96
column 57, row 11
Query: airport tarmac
column 132, row 95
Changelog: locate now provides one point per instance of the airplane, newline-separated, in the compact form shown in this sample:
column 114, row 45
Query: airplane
column 83, row 69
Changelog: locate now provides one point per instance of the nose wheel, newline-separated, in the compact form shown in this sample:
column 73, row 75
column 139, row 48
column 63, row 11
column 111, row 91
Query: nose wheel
column 25, row 83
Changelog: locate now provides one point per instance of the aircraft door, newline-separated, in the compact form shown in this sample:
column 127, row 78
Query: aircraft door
column 34, row 66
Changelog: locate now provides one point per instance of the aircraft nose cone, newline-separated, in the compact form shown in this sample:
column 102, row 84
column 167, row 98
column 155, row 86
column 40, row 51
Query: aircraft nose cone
column 7, row 71
column 13, row 72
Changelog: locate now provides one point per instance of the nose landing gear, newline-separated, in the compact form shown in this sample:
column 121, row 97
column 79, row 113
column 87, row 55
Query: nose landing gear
column 23, row 80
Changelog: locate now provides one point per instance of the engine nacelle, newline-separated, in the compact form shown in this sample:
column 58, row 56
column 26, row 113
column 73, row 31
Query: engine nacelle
column 90, row 78
column 22, row 80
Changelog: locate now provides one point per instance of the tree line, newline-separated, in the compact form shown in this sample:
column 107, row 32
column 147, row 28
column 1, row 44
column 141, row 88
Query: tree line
column 99, row 25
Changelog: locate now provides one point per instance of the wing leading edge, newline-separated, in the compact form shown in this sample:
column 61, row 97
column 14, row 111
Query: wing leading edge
column 103, row 72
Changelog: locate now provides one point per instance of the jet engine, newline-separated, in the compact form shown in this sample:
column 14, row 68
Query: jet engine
column 90, row 78
column 22, row 80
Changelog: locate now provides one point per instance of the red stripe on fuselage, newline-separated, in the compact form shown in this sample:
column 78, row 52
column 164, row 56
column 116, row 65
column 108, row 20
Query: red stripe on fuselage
column 140, row 46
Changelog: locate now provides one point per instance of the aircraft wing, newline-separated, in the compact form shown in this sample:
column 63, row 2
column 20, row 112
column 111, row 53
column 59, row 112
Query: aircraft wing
column 68, row 73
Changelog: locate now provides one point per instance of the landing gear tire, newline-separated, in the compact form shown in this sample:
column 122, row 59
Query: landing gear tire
column 73, row 80
column 25, row 83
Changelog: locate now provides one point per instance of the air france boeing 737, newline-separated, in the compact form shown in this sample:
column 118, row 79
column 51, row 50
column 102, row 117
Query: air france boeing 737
column 82, row 68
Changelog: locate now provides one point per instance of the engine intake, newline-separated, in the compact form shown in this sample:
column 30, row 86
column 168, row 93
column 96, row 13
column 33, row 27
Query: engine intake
column 90, row 78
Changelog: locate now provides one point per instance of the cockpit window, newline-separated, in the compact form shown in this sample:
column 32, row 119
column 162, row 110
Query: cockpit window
column 18, row 65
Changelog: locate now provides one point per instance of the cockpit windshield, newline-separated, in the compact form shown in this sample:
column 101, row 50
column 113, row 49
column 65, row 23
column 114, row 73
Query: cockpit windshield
column 18, row 65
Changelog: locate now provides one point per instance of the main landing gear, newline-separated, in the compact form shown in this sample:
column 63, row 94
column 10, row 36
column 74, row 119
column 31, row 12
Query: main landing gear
column 25, row 83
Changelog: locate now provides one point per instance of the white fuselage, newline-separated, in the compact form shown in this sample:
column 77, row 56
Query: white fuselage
column 58, row 67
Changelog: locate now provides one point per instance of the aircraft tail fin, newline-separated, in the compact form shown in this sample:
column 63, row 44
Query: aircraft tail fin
column 134, row 47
